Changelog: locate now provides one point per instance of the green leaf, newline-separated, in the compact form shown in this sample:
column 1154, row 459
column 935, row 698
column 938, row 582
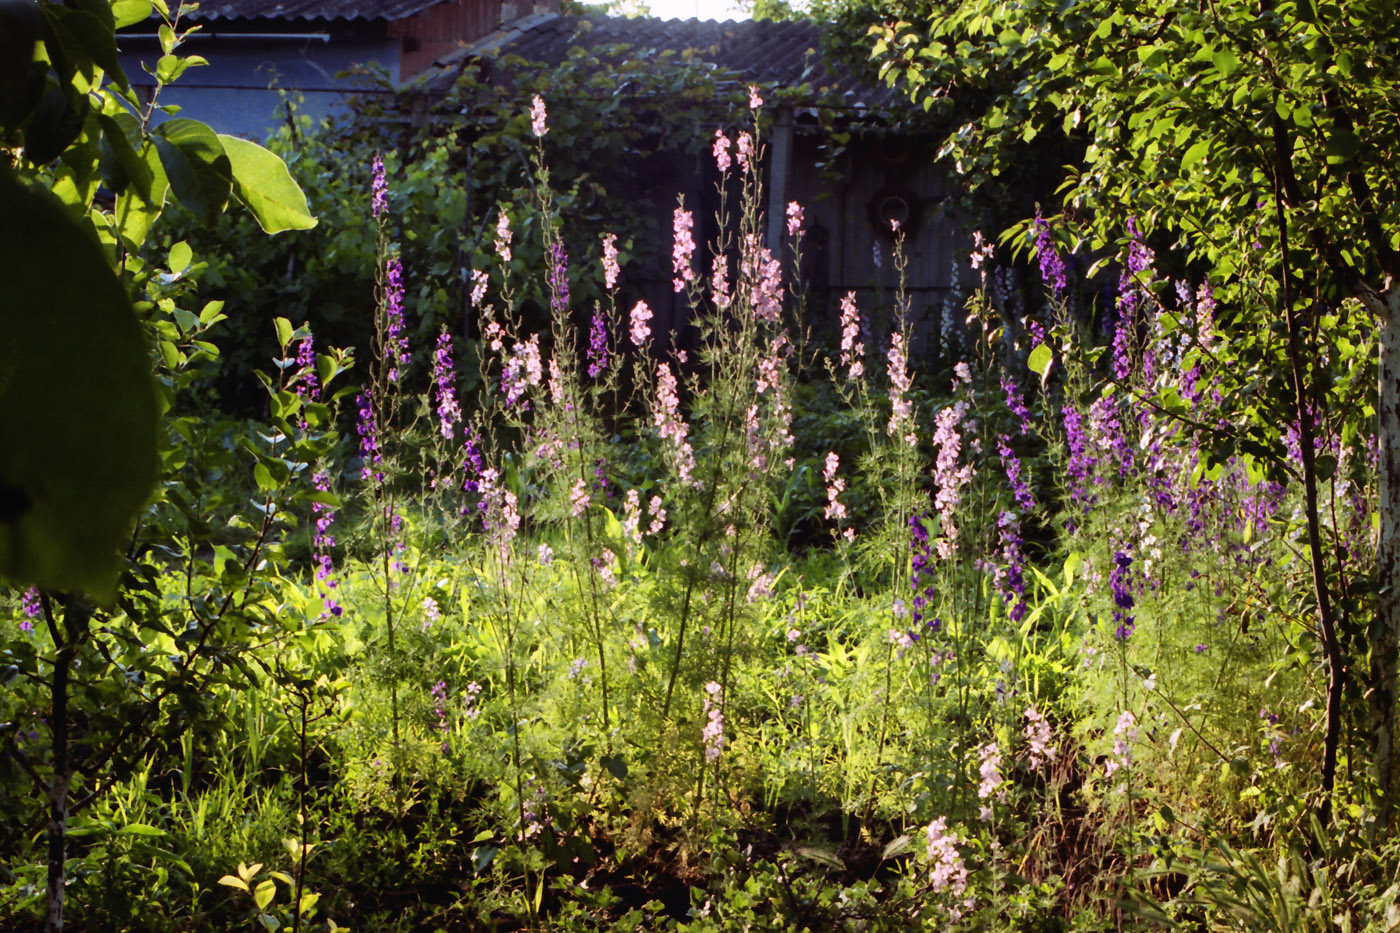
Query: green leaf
column 180, row 256
column 264, row 893
column 142, row 829
column 264, row 186
column 897, row 847
column 1039, row 362
column 821, row 856
column 130, row 12
column 234, row 882
column 1225, row 62
column 195, row 163
column 1195, row 154
column 77, row 403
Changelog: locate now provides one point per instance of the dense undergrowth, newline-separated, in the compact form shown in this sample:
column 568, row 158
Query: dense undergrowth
column 773, row 635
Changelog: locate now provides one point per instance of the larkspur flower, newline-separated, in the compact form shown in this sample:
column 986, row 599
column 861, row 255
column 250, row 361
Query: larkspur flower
column 597, row 346
column 1120, row 583
column 611, row 270
column 670, row 426
column 1020, row 489
column 444, row 386
column 395, row 340
column 537, row 116
column 921, row 576
column 544, row 554
column 658, row 516
column 794, row 219
column 1052, row 267
column 989, row 786
column 305, row 381
column 1039, row 749
column 713, row 734
column 1012, row 582
column 682, row 223
column 835, row 485
column 1079, row 470
column 640, row 330
column 719, row 283
column 948, row 873
column 762, row 275
column 744, row 150
column 754, row 100
column 901, row 408
column 322, row 542
column 31, row 607
column 721, row 151
column 1124, row 735
column 949, row 474
column 370, row 456
column 503, row 236
column 480, row 281
column 982, row 250
column 1015, row 402
column 379, row 189
column 558, row 272
column 852, row 349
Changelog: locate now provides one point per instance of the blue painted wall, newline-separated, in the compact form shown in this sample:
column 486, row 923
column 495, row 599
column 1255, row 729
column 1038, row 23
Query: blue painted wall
column 232, row 93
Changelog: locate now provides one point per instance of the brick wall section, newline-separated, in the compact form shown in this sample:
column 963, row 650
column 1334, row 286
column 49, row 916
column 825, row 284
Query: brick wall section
column 440, row 29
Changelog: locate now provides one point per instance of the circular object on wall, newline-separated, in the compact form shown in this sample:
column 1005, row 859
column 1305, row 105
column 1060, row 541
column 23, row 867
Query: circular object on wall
column 895, row 203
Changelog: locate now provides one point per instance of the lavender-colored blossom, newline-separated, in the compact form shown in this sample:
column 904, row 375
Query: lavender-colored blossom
column 395, row 340
column 1120, row 584
column 322, row 542
column 1020, row 489
column 444, row 386
column 1015, row 402
column 472, row 463
column 1052, row 267
column 1080, row 467
column 558, row 279
column 379, row 189
column 921, row 577
column 31, row 606
column 597, row 347
column 370, row 456
column 1106, row 428
column 305, row 382
column 1013, row 581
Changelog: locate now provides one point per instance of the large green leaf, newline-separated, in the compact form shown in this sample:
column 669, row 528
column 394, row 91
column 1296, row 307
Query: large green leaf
column 196, row 166
column 77, row 403
column 264, row 186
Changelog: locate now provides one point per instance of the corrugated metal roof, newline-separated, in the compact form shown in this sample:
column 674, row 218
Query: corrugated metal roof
column 387, row 10
column 784, row 54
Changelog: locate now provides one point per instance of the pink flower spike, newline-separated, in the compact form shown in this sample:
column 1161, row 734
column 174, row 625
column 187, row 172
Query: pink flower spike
column 537, row 116
column 640, row 330
column 611, row 270
column 794, row 218
column 721, row 150
column 682, row 222
column 754, row 100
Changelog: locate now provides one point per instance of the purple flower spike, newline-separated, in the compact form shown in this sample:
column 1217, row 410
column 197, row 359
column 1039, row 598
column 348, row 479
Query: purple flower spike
column 1052, row 267
column 379, row 190
column 597, row 347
